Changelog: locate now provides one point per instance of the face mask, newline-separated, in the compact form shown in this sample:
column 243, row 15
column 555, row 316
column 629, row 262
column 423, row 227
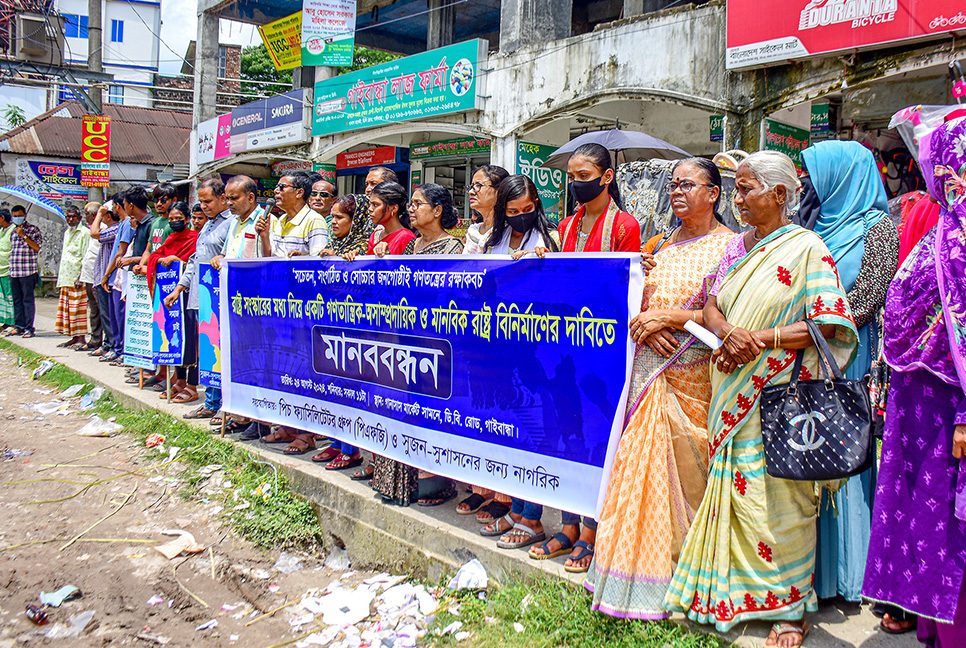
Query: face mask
column 177, row 226
column 522, row 223
column 19, row 220
column 584, row 191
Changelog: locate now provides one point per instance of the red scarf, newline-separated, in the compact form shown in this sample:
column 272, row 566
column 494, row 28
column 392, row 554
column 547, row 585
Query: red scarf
column 180, row 244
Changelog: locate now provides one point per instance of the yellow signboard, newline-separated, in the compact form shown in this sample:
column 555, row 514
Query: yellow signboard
column 283, row 40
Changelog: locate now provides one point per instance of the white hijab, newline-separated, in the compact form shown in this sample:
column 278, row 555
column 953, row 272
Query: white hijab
column 531, row 241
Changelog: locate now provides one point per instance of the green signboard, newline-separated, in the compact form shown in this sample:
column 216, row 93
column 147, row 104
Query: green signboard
column 819, row 118
column 450, row 147
column 786, row 139
column 717, row 128
column 549, row 182
column 328, row 32
column 437, row 82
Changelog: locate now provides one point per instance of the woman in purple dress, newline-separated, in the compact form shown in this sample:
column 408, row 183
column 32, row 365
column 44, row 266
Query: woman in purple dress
column 917, row 553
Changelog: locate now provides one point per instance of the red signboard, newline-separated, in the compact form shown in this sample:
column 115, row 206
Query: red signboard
column 95, row 150
column 370, row 157
column 760, row 33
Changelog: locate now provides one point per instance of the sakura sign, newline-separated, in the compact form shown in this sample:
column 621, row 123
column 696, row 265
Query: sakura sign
column 762, row 33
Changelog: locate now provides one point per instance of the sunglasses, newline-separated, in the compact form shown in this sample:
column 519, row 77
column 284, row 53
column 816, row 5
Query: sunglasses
column 320, row 194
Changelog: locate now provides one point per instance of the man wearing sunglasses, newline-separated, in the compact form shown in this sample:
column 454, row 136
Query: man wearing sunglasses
column 321, row 198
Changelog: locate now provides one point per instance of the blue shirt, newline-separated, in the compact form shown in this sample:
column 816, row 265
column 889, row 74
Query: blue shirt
column 124, row 235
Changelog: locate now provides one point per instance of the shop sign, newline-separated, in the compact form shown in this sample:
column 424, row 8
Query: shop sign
column 437, row 82
column 774, row 32
column 717, row 128
column 272, row 122
column 283, row 40
column 213, row 139
column 415, row 179
column 95, row 150
column 327, row 171
column 328, row 32
column 786, row 139
column 54, row 180
column 819, row 118
column 459, row 146
column 369, row 157
column 549, row 182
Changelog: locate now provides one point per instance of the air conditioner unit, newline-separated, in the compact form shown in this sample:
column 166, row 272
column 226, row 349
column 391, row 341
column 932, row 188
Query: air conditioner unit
column 40, row 38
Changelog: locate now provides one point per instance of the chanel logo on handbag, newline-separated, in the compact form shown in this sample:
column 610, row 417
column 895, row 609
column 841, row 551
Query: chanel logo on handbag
column 811, row 438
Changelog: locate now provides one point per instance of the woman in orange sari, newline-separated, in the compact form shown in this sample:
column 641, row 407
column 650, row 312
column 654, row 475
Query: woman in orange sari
column 660, row 470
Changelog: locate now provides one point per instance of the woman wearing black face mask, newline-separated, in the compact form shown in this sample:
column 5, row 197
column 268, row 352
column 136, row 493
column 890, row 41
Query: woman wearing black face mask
column 600, row 224
column 519, row 223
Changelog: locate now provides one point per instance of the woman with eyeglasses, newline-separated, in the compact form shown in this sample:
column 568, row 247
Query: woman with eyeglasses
column 432, row 213
column 661, row 466
column 482, row 192
column 600, row 225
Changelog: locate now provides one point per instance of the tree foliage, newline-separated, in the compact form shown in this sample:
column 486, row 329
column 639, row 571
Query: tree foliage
column 14, row 116
column 256, row 65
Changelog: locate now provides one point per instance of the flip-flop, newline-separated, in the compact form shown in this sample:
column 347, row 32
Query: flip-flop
column 887, row 630
column 363, row 474
column 521, row 529
column 585, row 550
column 782, row 629
column 277, row 436
column 299, row 446
column 495, row 524
column 566, row 546
column 349, row 462
column 496, row 511
column 474, row 503
column 200, row 413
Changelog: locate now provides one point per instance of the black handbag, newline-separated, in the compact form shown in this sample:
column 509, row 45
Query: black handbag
column 817, row 430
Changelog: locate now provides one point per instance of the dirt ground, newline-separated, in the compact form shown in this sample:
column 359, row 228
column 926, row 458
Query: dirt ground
column 118, row 578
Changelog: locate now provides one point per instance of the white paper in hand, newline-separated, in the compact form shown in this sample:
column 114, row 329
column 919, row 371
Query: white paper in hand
column 702, row 334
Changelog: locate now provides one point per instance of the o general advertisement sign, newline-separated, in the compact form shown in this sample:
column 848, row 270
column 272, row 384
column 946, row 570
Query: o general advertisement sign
column 95, row 150
column 281, row 120
column 760, row 33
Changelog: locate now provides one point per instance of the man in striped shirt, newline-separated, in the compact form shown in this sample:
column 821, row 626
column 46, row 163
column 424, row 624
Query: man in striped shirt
column 300, row 231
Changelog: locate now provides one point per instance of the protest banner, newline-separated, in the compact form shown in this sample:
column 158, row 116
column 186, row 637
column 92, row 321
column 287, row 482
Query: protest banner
column 510, row 375
column 209, row 339
column 167, row 331
column 138, row 323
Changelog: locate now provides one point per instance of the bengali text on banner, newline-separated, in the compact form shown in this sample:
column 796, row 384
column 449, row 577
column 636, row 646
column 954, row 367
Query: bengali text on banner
column 167, row 334
column 510, row 375
column 138, row 320
column 209, row 341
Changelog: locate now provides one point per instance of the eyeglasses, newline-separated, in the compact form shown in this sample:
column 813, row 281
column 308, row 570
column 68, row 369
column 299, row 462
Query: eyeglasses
column 685, row 185
column 281, row 185
column 320, row 194
column 416, row 204
column 162, row 199
column 476, row 186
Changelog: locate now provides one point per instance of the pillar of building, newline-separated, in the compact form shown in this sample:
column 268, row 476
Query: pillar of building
column 533, row 21
column 638, row 7
column 503, row 152
column 441, row 30
column 206, row 68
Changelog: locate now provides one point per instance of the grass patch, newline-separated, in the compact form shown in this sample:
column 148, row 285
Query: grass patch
column 555, row 614
column 283, row 519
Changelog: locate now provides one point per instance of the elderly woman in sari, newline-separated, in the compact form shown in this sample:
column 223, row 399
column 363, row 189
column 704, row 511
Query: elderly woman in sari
column 651, row 500
column 917, row 554
column 844, row 202
column 750, row 553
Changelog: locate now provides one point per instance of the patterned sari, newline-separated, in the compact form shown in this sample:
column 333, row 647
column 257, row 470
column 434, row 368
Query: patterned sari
column 660, row 470
column 750, row 552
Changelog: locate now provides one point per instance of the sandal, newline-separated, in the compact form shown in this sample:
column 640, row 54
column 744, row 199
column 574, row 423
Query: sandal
column 64, row 345
column 234, row 426
column 521, row 529
column 279, row 436
column 494, row 510
column 185, row 396
column 780, row 629
column 216, row 419
column 585, row 551
column 299, row 446
column 493, row 529
column 344, row 461
column 28, row 334
column 363, row 474
column 435, row 490
column 566, row 546
column 473, row 504
column 326, row 455
column 912, row 623
column 152, row 381
column 200, row 413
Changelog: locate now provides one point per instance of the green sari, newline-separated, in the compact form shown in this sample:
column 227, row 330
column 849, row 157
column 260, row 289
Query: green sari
column 750, row 552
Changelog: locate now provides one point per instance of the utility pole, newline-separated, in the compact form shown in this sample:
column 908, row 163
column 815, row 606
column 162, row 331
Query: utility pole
column 94, row 35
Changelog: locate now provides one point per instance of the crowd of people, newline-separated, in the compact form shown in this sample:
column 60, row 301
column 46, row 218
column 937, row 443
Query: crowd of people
column 692, row 521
